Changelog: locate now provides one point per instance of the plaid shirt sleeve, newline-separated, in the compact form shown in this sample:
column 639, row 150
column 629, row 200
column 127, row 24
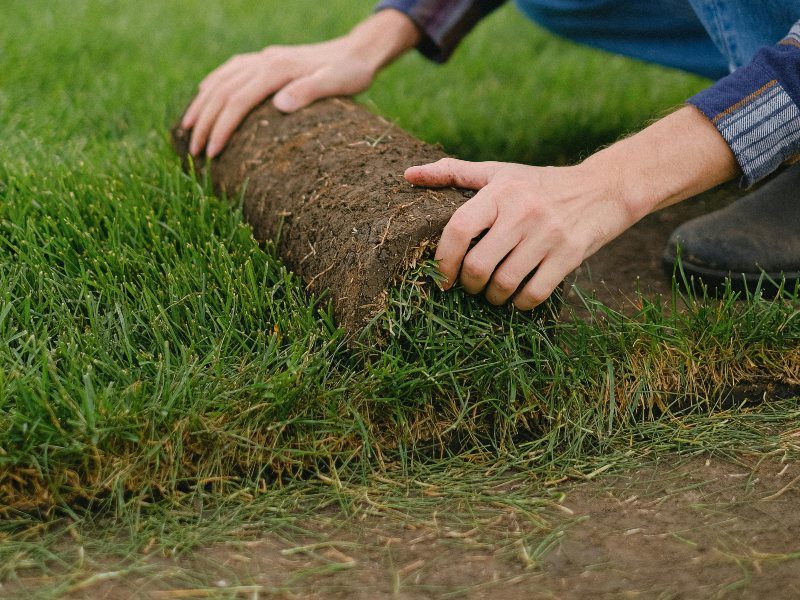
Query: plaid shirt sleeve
column 755, row 108
column 443, row 23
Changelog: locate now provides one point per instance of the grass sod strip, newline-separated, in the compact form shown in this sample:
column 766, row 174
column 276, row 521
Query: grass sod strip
column 327, row 182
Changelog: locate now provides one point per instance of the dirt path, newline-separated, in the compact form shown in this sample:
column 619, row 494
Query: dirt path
column 705, row 528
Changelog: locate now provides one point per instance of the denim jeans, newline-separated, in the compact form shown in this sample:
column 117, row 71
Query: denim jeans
column 707, row 37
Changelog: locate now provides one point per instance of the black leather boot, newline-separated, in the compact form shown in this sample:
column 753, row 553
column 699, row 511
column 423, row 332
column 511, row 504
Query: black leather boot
column 760, row 232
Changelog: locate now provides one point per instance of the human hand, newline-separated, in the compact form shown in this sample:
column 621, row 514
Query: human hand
column 296, row 75
column 544, row 220
column 549, row 219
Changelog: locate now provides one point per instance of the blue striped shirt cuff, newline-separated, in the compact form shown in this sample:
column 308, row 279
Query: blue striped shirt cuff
column 443, row 23
column 755, row 108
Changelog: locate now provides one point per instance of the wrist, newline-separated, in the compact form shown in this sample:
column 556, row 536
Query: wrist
column 382, row 37
column 606, row 173
column 673, row 159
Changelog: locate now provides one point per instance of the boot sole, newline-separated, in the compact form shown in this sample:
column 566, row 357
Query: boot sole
column 715, row 278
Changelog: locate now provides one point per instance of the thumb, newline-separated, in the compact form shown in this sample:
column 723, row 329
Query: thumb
column 301, row 92
column 453, row 172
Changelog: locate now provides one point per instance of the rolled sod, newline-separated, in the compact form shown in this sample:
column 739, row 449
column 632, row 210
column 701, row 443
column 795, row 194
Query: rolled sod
column 327, row 183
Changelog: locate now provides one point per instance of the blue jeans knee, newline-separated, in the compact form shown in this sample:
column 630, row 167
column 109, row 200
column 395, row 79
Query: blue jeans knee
column 667, row 32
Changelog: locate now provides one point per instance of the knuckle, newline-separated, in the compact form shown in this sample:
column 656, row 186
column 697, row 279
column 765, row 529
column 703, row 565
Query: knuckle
column 538, row 295
column 504, row 283
column 572, row 262
column 533, row 211
column 275, row 54
column 236, row 99
column 557, row 230
column 448, row 165
column 494, row 299
column 523, row 304
column 474, row 267
column 217, row 93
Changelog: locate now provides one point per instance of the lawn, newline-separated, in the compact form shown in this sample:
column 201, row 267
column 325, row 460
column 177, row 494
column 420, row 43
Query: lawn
column 155, row 358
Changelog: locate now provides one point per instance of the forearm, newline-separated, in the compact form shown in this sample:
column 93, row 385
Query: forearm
column 673, row 159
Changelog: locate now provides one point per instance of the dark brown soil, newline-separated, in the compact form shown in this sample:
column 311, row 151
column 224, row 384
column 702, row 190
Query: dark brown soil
column 329, row 180
column 633, row 260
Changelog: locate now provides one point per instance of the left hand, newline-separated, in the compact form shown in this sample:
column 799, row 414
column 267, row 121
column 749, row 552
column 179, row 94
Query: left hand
column 547, row 219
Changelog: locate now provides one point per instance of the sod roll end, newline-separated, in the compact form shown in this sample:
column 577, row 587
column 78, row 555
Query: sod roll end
column 327, row 183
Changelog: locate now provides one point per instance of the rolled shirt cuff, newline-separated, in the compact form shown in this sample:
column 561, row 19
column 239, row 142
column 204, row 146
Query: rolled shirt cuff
column 755, row 109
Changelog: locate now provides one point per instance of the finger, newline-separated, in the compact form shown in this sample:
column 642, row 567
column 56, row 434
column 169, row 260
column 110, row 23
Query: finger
column 234, row 110
column 194, row 110
column 482, row 260
column 212, row 81
column 205, row 120
column 304, row 90
column 473, row 217
column 551, row 272
column 210, row 102
column 453, row 172
column 508, row 277
column 223, row 72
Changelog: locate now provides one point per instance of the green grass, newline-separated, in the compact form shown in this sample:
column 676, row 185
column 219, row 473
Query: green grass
column 151, row 352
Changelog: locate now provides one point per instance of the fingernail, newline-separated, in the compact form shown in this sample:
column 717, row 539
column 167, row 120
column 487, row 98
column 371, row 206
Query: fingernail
column 212, row 150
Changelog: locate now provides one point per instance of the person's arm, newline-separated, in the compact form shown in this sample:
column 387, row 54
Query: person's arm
column 552, row 218
column 296, row 75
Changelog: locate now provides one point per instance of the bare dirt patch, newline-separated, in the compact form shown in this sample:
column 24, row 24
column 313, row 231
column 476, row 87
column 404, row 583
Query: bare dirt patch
column 700, row 528
column 633, row 261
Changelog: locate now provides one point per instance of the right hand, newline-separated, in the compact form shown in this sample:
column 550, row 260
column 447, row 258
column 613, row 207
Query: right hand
column 297, row 75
